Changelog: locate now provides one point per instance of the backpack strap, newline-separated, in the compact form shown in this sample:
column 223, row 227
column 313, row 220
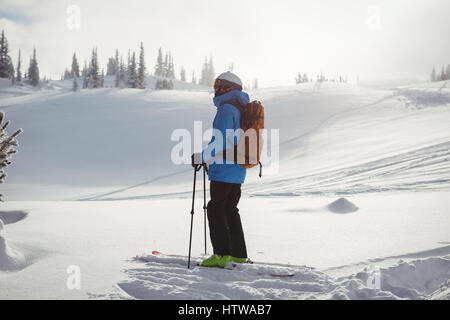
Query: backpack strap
column 240, row 109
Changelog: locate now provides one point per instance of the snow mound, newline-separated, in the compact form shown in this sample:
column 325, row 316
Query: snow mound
column 9, row 217
column 10, row 258
column 342, row 205
column 418, row 279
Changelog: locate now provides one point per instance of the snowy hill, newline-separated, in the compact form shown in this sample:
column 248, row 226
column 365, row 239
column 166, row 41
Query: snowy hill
column 116, row 143
column 382, row 154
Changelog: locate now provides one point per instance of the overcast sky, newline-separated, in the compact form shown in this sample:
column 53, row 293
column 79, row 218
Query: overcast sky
column 265, row 39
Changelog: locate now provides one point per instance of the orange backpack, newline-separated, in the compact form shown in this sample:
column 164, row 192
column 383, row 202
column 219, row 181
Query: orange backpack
column 248, row 151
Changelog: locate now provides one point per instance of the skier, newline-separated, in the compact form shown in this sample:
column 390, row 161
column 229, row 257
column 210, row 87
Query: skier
column 226, row 177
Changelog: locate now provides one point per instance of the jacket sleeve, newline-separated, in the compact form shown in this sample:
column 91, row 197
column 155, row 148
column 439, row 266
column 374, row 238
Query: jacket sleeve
column 224, row 120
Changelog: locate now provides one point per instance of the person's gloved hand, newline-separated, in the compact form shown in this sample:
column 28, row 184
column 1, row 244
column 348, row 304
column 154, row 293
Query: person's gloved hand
column 196, row 159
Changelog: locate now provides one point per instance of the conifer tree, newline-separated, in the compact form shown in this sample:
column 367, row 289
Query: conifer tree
column 67, row 74
column 166, row 66
column 443, row 76
column 208, row 73
column 19, row 72
column 305, row 78
column 433, row 74
column 193, row 78
column 117, row 79
column 86, row 79
column 86, row 75
column 6, row 65
column 159, row 67
column 8, row 145
column 74, row 84
column 33, row 70
column 170, row 67
column 111, row 67
column 75, row 72
column 122, row 73
column 12, row 72
column 183, row 74
column 117, row 69
column 132, row 74
column 116, row 58
column 141, row 70
column 85, row 69
column 94, row 72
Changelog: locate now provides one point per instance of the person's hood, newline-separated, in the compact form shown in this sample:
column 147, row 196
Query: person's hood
column 240, row 97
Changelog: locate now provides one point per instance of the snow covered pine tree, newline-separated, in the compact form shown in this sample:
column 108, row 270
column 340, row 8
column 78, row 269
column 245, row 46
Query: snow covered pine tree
column 7, row 144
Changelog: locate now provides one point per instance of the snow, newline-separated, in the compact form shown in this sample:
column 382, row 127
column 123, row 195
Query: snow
column 102, row 237
column 167, row 278
column 10, row 258
column 342, row 205
column 93, row 185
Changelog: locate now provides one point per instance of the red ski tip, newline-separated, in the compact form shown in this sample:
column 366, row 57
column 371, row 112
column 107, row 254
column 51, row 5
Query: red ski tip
column 156, row 252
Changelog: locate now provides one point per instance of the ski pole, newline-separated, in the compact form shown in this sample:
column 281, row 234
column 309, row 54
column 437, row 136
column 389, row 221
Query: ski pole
column 205, row 170
column 196, row 168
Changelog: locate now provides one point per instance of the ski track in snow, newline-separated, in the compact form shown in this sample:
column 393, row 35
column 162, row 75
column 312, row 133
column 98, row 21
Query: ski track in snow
column 167, row 277
column 333, row 117
column 424, row 169
column 17, row 101
column 103, row 196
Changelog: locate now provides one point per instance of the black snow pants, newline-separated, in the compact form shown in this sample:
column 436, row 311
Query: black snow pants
column 227, row 235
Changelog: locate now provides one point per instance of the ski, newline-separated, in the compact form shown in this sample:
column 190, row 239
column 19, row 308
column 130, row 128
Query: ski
column 274, row 275
column 235, row 265
column 159, row 257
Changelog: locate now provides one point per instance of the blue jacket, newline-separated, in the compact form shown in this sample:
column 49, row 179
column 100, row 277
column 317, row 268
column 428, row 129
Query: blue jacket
column 227, row 117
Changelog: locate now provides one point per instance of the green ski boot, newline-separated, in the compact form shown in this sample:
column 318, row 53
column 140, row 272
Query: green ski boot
column 216, row 261
column 239, row 260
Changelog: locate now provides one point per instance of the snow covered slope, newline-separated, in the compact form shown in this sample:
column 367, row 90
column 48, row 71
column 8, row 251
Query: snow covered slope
column 334, row 138
column 95, row 138
column 363, row 183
